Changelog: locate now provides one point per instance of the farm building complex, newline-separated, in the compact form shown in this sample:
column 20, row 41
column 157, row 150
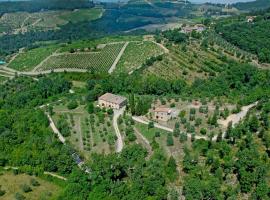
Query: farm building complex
column 164, row 113
column 109, row 100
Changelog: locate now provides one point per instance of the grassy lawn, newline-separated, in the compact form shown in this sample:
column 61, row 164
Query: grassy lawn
column 82, row 15
column 136, row 53
column 12, row 184
column 150, row 133
column 30, row 59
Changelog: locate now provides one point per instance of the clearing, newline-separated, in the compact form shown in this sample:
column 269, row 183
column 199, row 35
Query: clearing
column 12, row 184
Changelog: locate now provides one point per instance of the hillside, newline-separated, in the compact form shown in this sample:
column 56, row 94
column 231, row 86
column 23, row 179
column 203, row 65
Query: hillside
column 252, row 37
column 137, row 100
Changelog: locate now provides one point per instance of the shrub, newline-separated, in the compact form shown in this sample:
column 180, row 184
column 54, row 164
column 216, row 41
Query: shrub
column 151, row 125
column 72, row 105
column 2, row 192
column 170, row 141
column 26, row 188
column 157, row 134
column 34, row 182
column 183, row 137
column 203, row 131
column 19, row 196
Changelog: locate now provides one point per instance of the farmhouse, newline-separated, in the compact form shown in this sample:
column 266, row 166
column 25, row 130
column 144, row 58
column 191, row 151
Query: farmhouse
column 109, row 100
column 250, row 19
column 197, row 28
column 164, row 113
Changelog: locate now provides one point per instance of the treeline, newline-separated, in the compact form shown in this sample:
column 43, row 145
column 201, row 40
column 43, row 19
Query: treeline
column 241, row 83
column 254, row 5
column 41, row 5
column 25, row 137
column 252, row 37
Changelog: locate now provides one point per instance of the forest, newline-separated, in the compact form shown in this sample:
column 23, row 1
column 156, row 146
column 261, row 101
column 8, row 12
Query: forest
column 25, row 138
column 252, row 37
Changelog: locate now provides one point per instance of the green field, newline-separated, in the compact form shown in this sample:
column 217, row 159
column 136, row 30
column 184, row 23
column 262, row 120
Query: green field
column 100, row 61
column 136, row 53
column 30, row 59
column 12, row 184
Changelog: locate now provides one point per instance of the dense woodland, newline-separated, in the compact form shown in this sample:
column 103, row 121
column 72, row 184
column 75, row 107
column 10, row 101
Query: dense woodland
column 25, row 138
column 252, row 37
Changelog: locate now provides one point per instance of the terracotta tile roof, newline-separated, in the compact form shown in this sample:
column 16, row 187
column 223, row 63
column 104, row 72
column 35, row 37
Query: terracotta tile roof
column 112, row 98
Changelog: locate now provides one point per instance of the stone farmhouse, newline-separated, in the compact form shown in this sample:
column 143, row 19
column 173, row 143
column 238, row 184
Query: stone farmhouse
column 164, row 114
column 109, row 100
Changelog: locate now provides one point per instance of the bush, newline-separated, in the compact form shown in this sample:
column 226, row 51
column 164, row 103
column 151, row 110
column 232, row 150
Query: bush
column 2, row 192
column 203, row 131
column 183, row 137
column 157, row 134
column 26, row 188
column 151, row 125
column 34, row 182
column 19, row 196
column 72, row 105
column 170, row 141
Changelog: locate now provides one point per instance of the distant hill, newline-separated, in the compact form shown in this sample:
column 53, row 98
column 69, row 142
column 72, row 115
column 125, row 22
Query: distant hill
column 255, row 5
column 37, row 5
column 252, row 37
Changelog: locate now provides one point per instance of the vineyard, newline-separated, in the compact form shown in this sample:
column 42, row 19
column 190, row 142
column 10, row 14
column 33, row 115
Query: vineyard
column 30, row 59
column 136, row 53
column 100, row 61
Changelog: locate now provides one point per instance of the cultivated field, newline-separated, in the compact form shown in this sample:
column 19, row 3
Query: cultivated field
column 136, row 53
column 28, row 60
column 13, row 184
column 99, row 61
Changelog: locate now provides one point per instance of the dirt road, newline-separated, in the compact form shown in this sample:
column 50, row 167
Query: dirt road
column 236, row 118
column 118, row 58
column 119, row 143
